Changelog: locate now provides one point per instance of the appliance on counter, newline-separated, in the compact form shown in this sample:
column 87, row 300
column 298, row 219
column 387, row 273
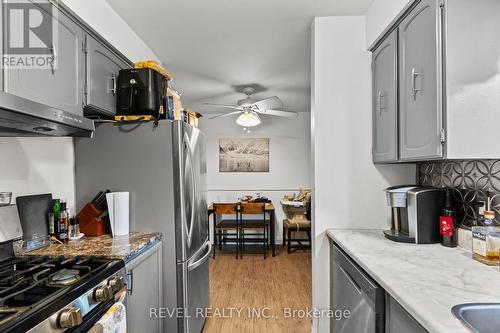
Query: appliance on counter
column 34, row 217
column 356, row 291
column 164, row 169
column 415, row 213
column 141, row 92
column 40, row 294
column 23, row 117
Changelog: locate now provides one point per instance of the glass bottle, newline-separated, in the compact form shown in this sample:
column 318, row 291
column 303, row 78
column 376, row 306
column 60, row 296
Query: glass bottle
column 63, row 223
column 447, row 226
column 56, row 209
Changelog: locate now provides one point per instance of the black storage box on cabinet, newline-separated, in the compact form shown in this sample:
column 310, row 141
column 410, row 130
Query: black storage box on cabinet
column 141, row 92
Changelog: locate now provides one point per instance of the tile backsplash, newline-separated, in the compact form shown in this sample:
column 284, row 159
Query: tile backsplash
column 472, row 181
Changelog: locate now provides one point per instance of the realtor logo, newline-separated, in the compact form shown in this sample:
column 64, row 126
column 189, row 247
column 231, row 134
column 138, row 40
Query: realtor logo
column 31, row 35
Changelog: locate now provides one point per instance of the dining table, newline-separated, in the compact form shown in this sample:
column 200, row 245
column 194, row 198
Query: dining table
column 270, row 210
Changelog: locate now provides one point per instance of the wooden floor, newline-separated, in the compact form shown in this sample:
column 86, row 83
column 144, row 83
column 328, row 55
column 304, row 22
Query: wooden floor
column 244, row 292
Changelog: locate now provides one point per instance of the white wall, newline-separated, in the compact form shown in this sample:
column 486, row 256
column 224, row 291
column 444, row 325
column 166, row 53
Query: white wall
column 289, row 160
column 103, row 19
column 42, row 165
column 38, row 165
column 379, row 15
column 347, row 187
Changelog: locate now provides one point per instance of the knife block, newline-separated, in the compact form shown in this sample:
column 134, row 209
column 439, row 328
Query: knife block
column 90, row 224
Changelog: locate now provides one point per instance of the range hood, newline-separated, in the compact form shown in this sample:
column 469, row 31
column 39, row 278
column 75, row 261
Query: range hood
column 23, row 117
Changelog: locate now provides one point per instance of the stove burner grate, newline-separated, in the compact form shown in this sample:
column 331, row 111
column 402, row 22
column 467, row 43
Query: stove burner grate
column 65, row 276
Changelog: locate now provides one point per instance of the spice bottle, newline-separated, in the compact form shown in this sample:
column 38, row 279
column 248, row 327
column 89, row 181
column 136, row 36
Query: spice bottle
column 489, row 217
column 72, row 228
column 77, row 226
column 52, row 224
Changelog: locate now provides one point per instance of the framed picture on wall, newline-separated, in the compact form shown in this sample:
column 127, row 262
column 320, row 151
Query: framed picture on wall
column 244, row 155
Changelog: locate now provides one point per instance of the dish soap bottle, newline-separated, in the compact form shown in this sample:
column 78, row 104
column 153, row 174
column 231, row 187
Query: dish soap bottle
column 447, row 225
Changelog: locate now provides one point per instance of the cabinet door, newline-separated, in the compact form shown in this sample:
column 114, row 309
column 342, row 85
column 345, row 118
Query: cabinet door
column 385, row 115
column 145, row 292
column 420, row 85
column 102, row 67
column 398, row 320
column 61, row 86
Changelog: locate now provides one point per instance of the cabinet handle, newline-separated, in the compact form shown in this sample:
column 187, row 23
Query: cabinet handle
column 54, row 56
column 113, row 86
column 379, row 98
column 130, row 282
column 414, row 75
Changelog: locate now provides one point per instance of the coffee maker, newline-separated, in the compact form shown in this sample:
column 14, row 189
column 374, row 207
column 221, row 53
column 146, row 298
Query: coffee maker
column 415, row 213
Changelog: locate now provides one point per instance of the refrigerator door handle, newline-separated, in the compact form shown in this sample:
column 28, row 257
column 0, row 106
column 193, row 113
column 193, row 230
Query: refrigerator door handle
column 189, row 228
column 194, row 265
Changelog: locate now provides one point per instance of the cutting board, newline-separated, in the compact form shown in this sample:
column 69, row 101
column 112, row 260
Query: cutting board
column 34, row 214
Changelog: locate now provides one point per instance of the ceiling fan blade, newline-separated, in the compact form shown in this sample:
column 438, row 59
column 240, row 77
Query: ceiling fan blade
column 226, row 114
column 268, row 103
column 224, row 106
column 279, row 113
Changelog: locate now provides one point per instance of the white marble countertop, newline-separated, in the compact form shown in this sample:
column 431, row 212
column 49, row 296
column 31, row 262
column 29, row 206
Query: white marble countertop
column 427, row 280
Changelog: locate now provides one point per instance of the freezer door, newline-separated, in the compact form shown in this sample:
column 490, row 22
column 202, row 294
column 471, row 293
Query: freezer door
column 193, row 290
column 191, row 186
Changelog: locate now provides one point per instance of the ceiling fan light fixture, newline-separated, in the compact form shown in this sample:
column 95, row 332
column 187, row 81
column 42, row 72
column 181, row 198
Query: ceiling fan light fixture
column 248, row 119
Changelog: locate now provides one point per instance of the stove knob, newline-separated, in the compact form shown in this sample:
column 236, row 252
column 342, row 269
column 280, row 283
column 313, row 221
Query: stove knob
column 70, row 317
column 116, row 283
column 103, row 294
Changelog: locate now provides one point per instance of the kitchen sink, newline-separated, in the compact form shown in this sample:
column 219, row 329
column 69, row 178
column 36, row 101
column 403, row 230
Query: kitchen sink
column 479, row 317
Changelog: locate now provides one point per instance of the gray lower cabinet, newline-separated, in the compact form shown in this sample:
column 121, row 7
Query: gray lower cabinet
column 420, row 101
column 398, row 320
column 145, row 291
column 59, row 86
column 385, row 108
column 102, row 68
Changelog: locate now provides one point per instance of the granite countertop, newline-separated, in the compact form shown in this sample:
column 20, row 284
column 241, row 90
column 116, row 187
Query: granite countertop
column 105, row 246
column 427, row 280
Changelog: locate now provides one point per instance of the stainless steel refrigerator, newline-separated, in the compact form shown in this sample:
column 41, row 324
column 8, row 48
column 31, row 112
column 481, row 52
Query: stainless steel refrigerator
column 164, row 169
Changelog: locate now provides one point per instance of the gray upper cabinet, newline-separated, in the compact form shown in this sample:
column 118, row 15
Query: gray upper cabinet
column 385, row 115
column 102, row 67
column 83, row 79
column 419, row 85
column 448, row 82
column 60, row 86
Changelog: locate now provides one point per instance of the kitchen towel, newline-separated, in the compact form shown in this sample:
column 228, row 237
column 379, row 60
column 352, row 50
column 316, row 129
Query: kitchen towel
column 119, row 212
column 113, row 321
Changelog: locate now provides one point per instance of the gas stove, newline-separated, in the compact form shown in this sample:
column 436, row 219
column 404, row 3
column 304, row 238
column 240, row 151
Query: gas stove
column 42, row 294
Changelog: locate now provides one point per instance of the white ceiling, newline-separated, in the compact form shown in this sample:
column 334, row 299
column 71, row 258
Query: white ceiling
column 216, row 45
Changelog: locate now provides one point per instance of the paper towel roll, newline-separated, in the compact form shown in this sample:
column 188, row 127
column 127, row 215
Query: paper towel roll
column 119, row 212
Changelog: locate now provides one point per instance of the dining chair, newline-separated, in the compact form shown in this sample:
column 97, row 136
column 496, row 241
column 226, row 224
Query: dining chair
column 259, row 224
column 298, row 220
column 227, row 216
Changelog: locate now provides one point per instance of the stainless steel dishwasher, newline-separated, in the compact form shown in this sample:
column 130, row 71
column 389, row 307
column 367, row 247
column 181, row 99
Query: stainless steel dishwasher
column 354, row 290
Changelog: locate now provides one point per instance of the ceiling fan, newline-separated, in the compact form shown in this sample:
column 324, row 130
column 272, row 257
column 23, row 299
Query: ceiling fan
column 250, row 108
